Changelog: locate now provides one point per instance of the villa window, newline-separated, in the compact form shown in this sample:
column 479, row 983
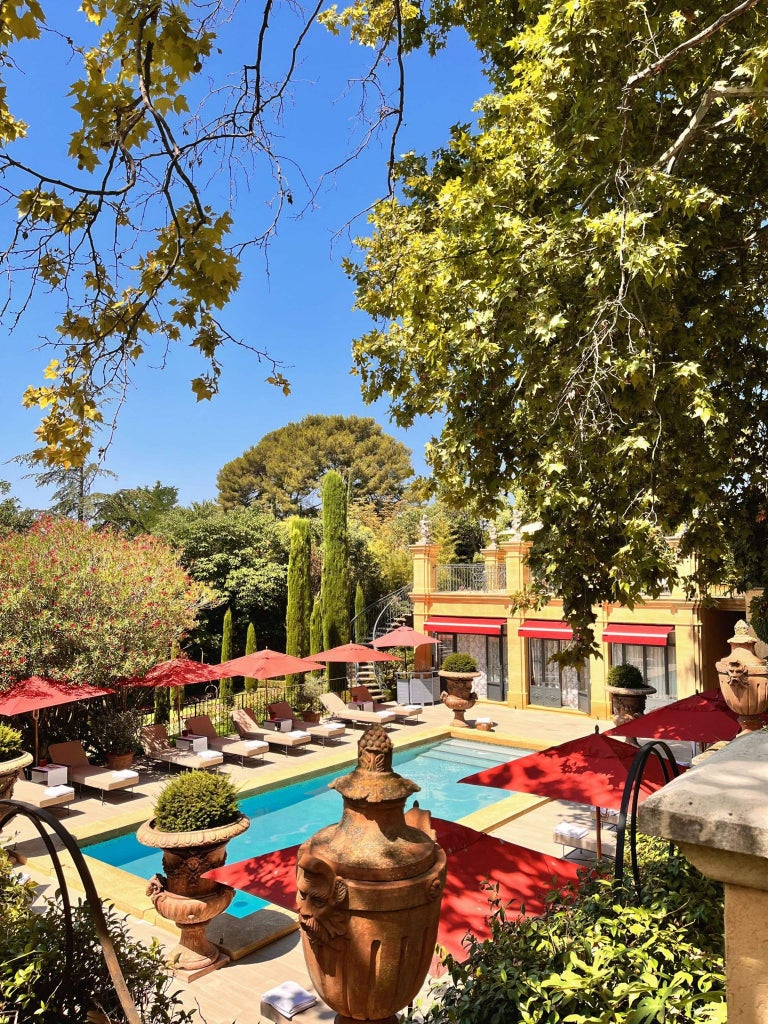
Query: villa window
column 658, row 665
column 554, row 685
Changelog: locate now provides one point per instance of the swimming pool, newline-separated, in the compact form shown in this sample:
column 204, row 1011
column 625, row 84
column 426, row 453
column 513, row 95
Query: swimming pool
column 290, row 814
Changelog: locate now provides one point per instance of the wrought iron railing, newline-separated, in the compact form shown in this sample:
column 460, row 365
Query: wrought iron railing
column 474, row 577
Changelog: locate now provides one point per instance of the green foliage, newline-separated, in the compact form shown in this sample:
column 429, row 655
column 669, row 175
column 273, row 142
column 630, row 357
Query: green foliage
column 243, row 556
column 361, row 626
column 316, row 627
column 308, row 698
column 758, row 616
column 286, row 468
column 656, row 957
column 335, row 580
column 195, row 800
column 10, row 742
column 87, row 605
column 162, row 701
column 459, row 662
column 628, row 676
column 115, row 730
column 250, row 646
column 135, row 510
column 13, row 518
column 299, row 593
column 576, row 285
column 226, row 685
column 32, row 952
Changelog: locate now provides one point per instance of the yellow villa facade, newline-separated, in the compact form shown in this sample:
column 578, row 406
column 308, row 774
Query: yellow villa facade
column 675, row 642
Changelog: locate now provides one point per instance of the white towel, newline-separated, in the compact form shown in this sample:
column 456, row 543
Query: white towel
column 208, row 755
column 484, row 721
column 125, row 773
column 289, row 998
column 383, row 714
column 297, row 733
column 59, row 791
column 572, row 831
column 255, row 744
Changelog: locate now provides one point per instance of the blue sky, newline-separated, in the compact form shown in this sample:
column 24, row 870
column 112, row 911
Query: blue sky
column 296, row 302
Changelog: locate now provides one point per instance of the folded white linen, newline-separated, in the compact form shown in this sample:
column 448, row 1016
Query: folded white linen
column 125, row 773
column 289, row 998
column 297, row 733
column 571, row 830
column 208, row 755
column 254, row 744
column 383, row 714
column 59, row 791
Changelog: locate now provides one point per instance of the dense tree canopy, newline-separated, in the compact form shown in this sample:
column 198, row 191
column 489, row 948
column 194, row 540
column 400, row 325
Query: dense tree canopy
column 579, row 284
column 135, row 510
column 285, row 469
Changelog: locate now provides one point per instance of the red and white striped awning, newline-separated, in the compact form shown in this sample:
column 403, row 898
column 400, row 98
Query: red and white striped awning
column 464, row 624
column 624, row 633
column 546, row 629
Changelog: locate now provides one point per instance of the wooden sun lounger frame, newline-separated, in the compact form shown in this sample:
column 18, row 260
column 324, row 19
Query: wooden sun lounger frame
column 229, row 746
column 249, row 729
column 153, row 735
column 80, row 770
column 336, row 708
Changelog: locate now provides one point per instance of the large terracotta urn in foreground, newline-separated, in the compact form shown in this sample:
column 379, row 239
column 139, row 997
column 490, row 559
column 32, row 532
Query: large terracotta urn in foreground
column 744, row 679
column 368, row 893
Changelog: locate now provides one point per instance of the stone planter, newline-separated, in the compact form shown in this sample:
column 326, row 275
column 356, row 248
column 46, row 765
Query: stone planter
column 310, row 717
column 184, row 897
column 119, row 762
column 744, row 679
column 368, row 893
column 628, row 702
column 458, row 696
column 9, row 772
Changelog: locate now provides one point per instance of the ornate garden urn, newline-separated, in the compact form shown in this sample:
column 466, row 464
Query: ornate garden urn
column 368, row 893
column 744, row 679
column 458, row 696
column 184, row 897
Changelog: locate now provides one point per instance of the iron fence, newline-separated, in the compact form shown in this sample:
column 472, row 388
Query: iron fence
column 472, row 577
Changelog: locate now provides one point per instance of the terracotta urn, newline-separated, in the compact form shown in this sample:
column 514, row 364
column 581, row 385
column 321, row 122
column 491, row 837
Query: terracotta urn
column 9, row 772
column 183, row 896
column 744, row 679
column 458, row 696
column 368, row 893
column 118, row 762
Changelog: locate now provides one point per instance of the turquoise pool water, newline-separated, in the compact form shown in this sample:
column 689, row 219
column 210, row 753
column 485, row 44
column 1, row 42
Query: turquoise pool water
column 291, row 814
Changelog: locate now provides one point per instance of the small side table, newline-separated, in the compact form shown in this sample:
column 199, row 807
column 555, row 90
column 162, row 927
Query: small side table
column 49, row 774
column 192, row 743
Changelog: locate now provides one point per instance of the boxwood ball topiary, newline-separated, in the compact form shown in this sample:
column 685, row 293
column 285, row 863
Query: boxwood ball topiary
column 627, row 676
column 10, row 742
column 459, row 662
column 196, row 800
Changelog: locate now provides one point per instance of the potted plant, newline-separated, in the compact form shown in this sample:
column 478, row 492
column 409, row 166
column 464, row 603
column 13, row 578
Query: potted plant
column 458, row 670
column 12, row 759
column 116, row 734
column 308, row 703
column 195, row 816
column 628, row 691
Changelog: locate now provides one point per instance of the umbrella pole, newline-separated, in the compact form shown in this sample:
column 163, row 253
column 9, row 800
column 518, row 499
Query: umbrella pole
column 598, row 831
column 35, row 716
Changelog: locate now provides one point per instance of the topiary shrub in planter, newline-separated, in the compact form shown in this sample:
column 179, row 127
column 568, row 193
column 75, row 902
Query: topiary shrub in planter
column 458, row 664
column 628, row 691
column 196, row 814
column 12, row 759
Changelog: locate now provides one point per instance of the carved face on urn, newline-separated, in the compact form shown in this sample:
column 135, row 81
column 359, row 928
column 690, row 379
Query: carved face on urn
column 319, row 898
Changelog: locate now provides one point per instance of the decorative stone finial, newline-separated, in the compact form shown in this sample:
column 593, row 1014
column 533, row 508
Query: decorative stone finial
column 744, row 679
column 742, row 634
column 373, row 780
column 425, row 530
column 493, row 535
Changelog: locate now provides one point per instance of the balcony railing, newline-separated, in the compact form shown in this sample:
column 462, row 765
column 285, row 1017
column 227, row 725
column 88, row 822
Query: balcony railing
column 476, row 577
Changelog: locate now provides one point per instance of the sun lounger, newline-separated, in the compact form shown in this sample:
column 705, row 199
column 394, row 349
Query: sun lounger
column 579, row 837
column 39, row 795
column 320, row 731
column 336, row 708
column 83, row 773
column 249, row 729
column 157, row 747
column 229, row 746
column 402, row 711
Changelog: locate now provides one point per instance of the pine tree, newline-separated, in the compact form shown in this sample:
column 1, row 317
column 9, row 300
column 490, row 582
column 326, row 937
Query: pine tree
column 250, row 646
column 226, row 686
column 334, row 585
column 299, row 593
column 361, row 625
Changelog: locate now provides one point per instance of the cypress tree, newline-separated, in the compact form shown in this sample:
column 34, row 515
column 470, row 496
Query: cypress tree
column 226, row 686
column 334, row 584
column 299, row 593
column 162, row 705
column 361, row 626
column 250, row 647
column 316, row 628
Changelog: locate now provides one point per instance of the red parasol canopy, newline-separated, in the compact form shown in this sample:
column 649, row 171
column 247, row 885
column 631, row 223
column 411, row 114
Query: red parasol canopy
column 176, row 672
column 404, row 636
column 353, row 654
column 524, row 877
column 700, row 718
column 35, row 693
column 265, row 664
column 589, row 770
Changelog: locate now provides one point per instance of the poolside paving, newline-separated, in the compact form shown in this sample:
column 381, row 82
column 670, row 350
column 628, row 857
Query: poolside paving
column 231, row 995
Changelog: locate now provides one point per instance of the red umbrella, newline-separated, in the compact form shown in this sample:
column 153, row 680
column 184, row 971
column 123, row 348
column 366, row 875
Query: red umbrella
column 404, row 636
column 176, row 672
column 353, row 654
column 700, row 718
column 590, row 770
column 524, row 877
column 265, row 664
column 35, row 693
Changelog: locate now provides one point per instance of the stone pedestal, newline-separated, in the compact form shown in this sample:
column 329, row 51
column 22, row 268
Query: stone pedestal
column 717, row 813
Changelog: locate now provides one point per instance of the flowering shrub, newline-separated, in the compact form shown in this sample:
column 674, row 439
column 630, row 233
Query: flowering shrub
column 89, row 605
